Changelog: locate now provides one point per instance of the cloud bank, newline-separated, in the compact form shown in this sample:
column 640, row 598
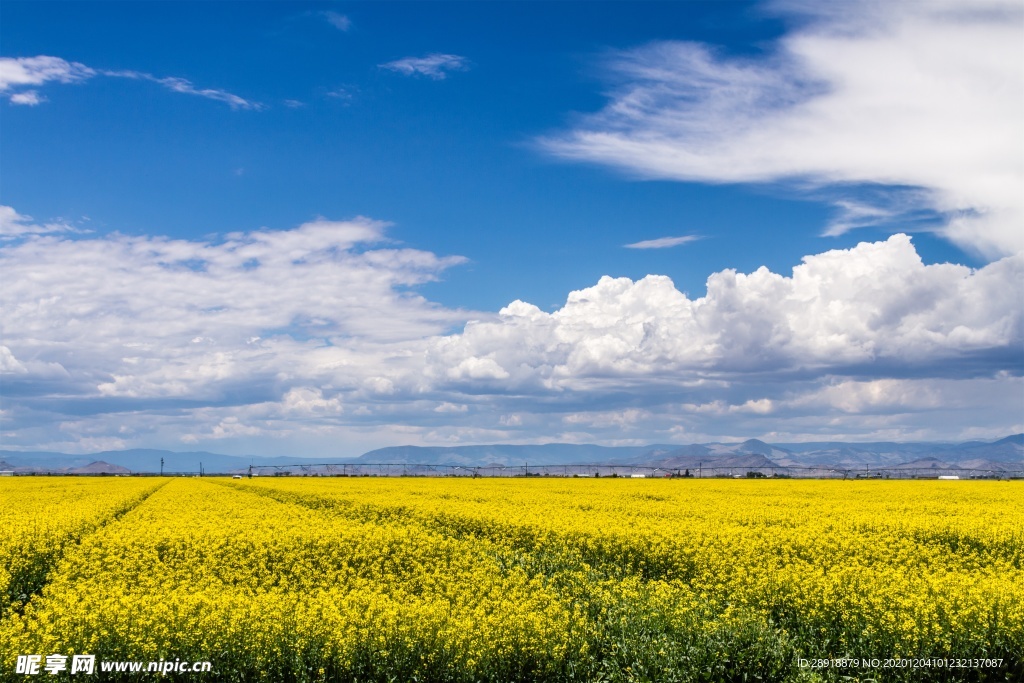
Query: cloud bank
column 926, row 98
column 316, row 336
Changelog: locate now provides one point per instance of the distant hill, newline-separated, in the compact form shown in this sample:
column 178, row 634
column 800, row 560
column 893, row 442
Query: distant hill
column 142, row 460
column 1009, row 451
column 1006, row 454
column 100, row 467
column 474, row 456
column 925, row 464
column 689, row 462
column 982, row 464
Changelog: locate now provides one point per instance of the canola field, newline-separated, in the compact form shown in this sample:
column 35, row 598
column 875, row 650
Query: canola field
column 416, row 579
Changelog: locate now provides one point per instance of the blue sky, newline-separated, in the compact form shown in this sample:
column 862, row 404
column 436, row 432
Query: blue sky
column 396, row 175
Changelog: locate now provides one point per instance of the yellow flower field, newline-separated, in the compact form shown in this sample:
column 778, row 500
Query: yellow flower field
column 422, row 579
column 40, row 516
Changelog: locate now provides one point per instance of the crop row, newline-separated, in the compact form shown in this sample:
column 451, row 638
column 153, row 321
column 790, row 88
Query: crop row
column 40, row 517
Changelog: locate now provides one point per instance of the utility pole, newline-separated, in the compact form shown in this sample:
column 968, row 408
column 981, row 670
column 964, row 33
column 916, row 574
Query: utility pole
column 161, row 467
column 700, row 470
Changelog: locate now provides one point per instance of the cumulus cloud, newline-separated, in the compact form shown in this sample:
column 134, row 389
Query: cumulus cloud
column 310, row 401
column 926, row 96
column 316, row 335
column 436, row 66
column 841, row 312
column 19, row 75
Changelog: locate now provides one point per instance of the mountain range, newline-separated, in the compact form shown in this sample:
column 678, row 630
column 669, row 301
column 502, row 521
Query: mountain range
column 1004, row 455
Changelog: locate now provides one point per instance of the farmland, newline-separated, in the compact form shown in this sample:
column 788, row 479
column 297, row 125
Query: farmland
column 534, row 580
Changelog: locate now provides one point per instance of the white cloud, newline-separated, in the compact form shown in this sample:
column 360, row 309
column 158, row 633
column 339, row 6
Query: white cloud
column 602, row 419
column 763, row 406
column 231, row 427
column 473, row 368
column 337, row 20
column 14, row 224
column 185, row 87
column 33, row 71
column 882, row 396
column 927, row 95
column 27, row 97
column 446, row 407
column 310, row 401
column 854, row 214
column 435, row 66
column 663, row 242
column 9, row 365
column 19, row 75
column 343, row 94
